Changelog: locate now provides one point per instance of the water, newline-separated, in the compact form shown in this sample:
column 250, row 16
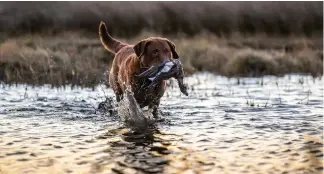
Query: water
column 269, row 125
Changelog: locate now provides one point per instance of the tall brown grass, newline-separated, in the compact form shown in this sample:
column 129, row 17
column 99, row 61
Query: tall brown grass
column 76, row 58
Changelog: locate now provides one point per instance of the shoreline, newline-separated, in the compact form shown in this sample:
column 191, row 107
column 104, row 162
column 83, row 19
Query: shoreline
column 79, row 59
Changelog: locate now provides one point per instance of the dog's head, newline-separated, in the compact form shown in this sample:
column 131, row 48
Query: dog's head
column 154, row 51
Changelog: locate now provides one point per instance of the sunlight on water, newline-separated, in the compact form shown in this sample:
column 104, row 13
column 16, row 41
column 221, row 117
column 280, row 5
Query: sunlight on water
column 247, row 125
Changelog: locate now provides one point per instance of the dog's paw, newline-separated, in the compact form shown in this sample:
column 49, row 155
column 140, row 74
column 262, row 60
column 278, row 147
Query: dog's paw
column 160, row 119
column 107, row 106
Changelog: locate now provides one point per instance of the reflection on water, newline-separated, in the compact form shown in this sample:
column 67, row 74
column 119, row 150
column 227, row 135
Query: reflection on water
column 250, row 125
column 137, row 151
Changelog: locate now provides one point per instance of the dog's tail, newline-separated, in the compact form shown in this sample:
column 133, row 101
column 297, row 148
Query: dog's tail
column 110, row 43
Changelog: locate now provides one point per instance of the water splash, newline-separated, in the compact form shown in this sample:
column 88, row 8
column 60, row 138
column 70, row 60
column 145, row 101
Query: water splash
column 130, row 112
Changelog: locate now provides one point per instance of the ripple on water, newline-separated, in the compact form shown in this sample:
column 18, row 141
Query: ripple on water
column 219, row 127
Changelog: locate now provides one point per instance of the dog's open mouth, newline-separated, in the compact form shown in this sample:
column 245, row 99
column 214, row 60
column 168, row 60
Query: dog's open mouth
column 166, row 71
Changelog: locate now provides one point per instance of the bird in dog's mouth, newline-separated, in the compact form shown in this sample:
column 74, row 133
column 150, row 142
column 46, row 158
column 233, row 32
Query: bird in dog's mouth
column 166, row 71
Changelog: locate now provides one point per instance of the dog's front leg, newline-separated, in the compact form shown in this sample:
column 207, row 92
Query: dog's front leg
column 155, row 107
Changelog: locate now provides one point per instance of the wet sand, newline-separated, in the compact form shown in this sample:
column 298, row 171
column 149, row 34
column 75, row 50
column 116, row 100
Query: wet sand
column 254, row 125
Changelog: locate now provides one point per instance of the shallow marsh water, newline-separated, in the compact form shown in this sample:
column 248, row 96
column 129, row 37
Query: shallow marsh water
column 256, row 125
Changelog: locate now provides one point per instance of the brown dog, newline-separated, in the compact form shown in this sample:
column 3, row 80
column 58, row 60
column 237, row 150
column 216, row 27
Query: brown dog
column 131, row 60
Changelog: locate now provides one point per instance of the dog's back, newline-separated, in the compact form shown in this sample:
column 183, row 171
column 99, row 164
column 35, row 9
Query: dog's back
column 124, row 54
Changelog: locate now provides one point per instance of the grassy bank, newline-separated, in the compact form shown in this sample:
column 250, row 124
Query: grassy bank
column 79, row 58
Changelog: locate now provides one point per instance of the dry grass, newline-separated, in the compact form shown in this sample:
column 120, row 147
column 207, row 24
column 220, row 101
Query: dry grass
column 78, row 58
column 55, row 60
column 252, row 56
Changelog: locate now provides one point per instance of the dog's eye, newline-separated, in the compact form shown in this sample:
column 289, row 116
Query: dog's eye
column 155, row 51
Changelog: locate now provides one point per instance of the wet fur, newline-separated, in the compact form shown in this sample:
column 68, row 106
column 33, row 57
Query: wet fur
column 130, row 60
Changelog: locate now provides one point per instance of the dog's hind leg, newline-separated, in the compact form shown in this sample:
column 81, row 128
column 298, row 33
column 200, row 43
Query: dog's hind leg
column 119, row 97
column 119, row 93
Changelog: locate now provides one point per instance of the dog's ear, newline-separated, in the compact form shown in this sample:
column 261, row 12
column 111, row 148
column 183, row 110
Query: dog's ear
column 141, row 47
column 173, row 49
